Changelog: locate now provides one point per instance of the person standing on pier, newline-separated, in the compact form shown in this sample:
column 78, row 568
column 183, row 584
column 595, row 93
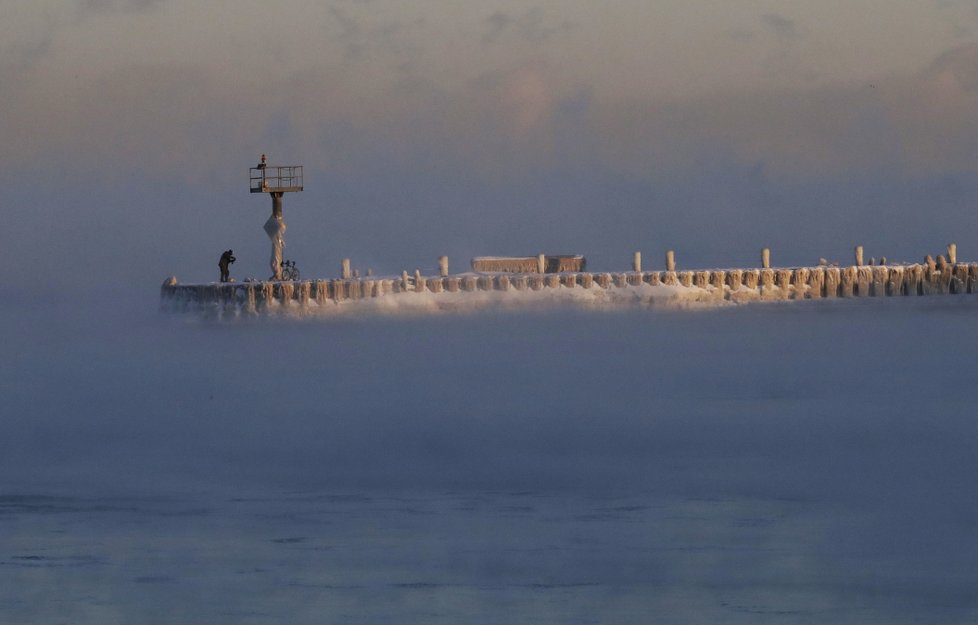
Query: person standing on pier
column 225, row 264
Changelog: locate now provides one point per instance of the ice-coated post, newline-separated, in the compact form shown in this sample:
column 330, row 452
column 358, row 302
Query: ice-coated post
column 346, row 269
column 952, row 253
column 670, row 261
column 443, row 266
column 859, row 256
column 637, row 262
column 766, row 258
column 541, row 263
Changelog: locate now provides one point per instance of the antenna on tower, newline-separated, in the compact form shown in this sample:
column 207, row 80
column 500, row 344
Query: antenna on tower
column 276, row 180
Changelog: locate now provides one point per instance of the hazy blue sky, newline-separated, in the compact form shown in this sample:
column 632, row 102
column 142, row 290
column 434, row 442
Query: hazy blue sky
column 467, row 128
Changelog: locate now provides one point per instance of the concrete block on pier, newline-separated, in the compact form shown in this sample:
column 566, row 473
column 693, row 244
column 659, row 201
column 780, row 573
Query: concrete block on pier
column 435, row 285
column 337, row 288
column 959, row 280
column 536, row 281
column 864, row 280
column 603, row 280
column 973, row 278
column 251, row 299
column 520, row 282
column 799, row 283
column 782, row 281
column 833, row 282
column 701, row 279
column 468, row 283
column 685, row 278
column 552, row 280
column 718, row 279
column 569, row 280
column 502, row 282
column 305, row 291
column 894, row 281
column 735, row 279
column 751, row 278
column 634, row 279
column 913, row 280
column 881, row 275
column 816, row 283
column 267, row 295
column 485, row 283
column 847, row 286
column 652, row 278
column 767, row 285
column 587, row 280
column 619, row 279
column 321, row 291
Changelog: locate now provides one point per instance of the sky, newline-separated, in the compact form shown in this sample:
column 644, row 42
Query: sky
column 506, row 127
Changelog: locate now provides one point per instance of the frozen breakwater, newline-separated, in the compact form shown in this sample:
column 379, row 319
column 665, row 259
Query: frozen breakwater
column 474, row 291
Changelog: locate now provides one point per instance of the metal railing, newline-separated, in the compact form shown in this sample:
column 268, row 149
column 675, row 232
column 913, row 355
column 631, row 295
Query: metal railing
column 275, row 178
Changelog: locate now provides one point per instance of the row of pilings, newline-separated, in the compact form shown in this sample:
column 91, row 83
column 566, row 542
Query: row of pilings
column 932, row 278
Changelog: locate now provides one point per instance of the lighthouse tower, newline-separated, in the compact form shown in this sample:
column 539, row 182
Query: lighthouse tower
column 276, row 180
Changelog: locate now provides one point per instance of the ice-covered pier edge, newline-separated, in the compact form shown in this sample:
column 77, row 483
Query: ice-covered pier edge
column 486, row 290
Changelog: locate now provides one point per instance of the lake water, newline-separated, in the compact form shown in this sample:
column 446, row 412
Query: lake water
column 809, row 462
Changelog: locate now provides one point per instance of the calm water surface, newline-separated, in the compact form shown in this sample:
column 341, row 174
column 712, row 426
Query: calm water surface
column 810, row 462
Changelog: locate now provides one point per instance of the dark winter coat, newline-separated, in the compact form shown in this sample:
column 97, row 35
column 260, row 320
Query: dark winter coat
column 226, row 259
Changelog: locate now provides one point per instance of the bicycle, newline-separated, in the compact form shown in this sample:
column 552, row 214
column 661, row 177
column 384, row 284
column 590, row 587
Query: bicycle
column 289, row 270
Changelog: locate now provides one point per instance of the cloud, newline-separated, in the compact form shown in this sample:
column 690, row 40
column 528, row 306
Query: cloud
column 528, row 27
column 781, row 26
column 98, row 7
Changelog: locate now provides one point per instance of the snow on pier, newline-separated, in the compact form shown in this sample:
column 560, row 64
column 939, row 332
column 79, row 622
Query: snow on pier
column 477, row 291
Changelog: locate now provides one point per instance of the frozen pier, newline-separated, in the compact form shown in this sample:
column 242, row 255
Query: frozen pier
column 484, row 290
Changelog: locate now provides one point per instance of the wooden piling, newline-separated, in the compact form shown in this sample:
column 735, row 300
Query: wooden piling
column 345, row 269
column 952, row 253
column 637, row 262
column 541, row 263
column 766, row 258
column 859, row 256
column 443, row 266
column 670, row 261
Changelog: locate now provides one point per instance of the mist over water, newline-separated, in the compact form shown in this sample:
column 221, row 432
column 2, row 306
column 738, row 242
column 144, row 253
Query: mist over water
column 804, row 461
